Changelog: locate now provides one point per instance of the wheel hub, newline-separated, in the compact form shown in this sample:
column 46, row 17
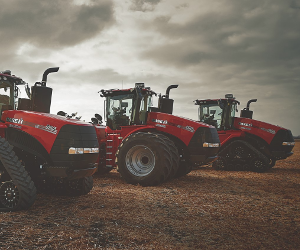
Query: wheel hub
column 140, row 160
column 9, row 194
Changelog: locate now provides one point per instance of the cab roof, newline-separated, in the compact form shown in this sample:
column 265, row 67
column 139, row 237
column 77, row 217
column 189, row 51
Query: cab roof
column 116, row 92
column 6, row 79
column 216, row 101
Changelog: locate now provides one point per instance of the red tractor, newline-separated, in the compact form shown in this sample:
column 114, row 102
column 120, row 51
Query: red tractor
column 246, row 144
column 149, row 145
column 38, row 149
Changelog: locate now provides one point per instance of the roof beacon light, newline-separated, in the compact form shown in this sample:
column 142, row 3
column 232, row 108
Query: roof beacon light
column 229, row 96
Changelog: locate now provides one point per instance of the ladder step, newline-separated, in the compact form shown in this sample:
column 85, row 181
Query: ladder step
column 110, row 140
column 109, row 153
column 109, row 146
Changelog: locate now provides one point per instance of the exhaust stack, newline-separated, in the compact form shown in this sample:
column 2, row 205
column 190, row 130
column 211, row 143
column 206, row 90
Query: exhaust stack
column 165, row 104
column 246, row 113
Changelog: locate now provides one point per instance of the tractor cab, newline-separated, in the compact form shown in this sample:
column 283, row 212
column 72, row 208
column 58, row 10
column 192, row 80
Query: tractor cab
column 219, row 113
column 8, row 90
column 127, row 106
column 39, row 97
column 131, row 106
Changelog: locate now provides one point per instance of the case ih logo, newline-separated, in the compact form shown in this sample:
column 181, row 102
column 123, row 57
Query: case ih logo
column 15, row 120
column 245, row 124
column 162, row 123
column 47, row 128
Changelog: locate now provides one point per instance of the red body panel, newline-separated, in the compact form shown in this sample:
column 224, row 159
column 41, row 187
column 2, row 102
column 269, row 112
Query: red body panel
column 42, row 126
column 263, row 130
column 182, row 128
column 227, row 135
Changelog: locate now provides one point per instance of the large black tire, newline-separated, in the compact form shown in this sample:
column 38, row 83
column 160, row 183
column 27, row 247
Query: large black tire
column 144, row 158
column 260, row 164
column 17, row 190
column 80, row 186
column 174, row 155
column 184, row 168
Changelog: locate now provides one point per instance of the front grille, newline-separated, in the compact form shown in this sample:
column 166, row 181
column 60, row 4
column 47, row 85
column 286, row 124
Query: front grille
column 282, row 136
column 77, row 137
column 203, row 134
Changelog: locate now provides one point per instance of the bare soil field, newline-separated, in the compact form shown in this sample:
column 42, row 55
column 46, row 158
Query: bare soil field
column 206, row 209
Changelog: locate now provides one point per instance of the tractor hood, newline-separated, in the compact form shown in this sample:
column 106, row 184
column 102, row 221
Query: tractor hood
column 262, row 129
column 180, row 127
column 42, row 126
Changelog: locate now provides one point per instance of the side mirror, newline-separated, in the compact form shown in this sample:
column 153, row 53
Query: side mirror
column 94, row 121
column 62, row 113
column 99, row 118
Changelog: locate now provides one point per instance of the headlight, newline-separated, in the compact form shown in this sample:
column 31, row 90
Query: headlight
column 76, row 151
column 286, row 143
column 211, row 145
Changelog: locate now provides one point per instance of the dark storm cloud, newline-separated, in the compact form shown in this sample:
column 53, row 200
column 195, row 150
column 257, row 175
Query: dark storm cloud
column 52, row 23
column 253, row 35
column 99, row 79
column 144, row 5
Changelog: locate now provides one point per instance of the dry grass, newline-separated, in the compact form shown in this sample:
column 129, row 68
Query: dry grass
column 206, row 209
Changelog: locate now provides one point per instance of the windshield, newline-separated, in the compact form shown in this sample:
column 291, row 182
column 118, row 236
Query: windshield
column 118, row 110
column 121, row 110
column 211, row 114
column 7, row 97
column 4, row 96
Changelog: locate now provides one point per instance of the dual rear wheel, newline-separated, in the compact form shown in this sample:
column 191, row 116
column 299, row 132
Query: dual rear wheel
column 147, row 159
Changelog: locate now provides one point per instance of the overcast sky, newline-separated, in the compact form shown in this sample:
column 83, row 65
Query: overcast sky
column 210, row 48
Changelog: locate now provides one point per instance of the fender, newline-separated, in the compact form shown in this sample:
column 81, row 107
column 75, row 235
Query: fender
column 226, row 136
column 259, row 143
column 142, row 128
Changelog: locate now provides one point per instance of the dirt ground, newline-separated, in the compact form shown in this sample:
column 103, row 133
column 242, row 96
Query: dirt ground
column 206, row 209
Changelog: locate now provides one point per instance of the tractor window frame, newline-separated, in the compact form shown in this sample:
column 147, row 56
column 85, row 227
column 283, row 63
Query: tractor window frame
column 117, row 112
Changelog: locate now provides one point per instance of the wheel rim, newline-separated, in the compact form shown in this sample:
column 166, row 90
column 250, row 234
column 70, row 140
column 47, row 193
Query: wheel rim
column 239, row 151
column 140, row 160
column 9, row 194
column 220, row 164
column 259, row 165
